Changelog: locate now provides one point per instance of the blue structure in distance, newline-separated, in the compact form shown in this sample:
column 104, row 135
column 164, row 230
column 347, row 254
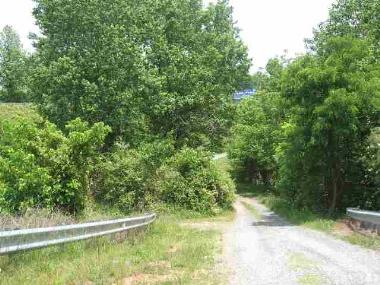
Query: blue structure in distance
column 238, row 96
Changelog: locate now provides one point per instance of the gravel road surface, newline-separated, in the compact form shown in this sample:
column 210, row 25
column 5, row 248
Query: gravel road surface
column 268, row 250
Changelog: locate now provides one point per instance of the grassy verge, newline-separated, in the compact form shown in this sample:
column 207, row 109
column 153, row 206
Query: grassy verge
column 307, row 218
column 166, row 253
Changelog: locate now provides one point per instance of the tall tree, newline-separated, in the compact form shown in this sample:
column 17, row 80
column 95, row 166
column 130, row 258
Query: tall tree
column 333, row 114
column 13, row 67
column 162, row 67
column 355, row 18
column 201, row 62
column 91, row 64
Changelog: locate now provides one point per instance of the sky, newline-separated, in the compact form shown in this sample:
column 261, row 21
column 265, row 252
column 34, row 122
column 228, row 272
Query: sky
column 268, row 27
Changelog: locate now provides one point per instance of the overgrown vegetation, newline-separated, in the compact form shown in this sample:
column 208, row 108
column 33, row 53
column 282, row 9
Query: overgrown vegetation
column 155, row 174
column 42, row 167
column 133, row 99
column 310, row 132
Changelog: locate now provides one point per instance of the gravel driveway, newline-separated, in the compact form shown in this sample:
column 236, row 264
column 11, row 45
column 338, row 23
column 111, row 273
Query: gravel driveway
column 269, row 250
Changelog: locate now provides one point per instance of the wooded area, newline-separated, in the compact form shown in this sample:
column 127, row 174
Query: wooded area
column 312, row 131
column 133, row 97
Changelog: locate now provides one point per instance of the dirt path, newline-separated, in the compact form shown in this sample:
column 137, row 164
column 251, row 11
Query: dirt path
column 269, row 250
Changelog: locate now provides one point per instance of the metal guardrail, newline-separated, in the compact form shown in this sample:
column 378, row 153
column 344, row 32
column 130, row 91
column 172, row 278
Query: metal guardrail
column 364, row 216
column 18, row 240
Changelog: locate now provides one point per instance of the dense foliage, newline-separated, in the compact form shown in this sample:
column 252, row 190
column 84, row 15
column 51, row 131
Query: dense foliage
column 190, row 180
column 316, row 128
column 125, row 179
column 42, row 167
column 142, row 67
column 154, row 174
column 255, row 136
column 13, row 67
column 158, row 75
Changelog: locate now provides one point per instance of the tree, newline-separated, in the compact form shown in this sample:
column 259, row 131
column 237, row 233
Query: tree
column 166, row 68
column 203, row 64
column 270, row 79
column 91, row 65
column 355, row 18
column 310, row 127
column 13, row 67
column 256, row 135
column 330, row 123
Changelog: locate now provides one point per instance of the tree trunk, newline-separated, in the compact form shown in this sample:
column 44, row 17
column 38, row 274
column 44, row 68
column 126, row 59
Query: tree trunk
column 336, row 187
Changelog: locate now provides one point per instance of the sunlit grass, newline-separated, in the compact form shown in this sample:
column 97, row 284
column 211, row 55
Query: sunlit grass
column 165, row 253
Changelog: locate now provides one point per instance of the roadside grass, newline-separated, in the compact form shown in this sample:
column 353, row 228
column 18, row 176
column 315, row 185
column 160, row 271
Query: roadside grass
column 306, row 218
column 164, row 253
column 372, row 242
column 167, row 252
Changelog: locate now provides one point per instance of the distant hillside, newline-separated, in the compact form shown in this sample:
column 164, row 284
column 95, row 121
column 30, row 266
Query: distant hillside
column 10, row 111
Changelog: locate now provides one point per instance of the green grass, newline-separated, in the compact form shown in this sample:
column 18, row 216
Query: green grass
column 371, row 242
column 12, row 111
column 166, row 253
column 305, row 217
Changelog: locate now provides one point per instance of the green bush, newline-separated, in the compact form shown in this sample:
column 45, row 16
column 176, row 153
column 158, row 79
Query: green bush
column 154, row 174
column 124, row 178
column 42, row 167
column 190, row 180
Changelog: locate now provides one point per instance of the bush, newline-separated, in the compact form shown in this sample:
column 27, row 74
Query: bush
column 190, row 180
column 42, row 167
column 124, row 179
column 143, row 178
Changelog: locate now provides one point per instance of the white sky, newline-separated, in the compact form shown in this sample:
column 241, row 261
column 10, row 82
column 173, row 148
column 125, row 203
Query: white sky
column 268, row 26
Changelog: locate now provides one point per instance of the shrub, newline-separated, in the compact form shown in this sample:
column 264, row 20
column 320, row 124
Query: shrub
column 142, row 178
column 190, row 180
column 42, row 167
column 124, row 179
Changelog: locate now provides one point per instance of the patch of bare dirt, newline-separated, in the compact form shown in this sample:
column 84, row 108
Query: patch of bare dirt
column 342, row 228
column 358, row 227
